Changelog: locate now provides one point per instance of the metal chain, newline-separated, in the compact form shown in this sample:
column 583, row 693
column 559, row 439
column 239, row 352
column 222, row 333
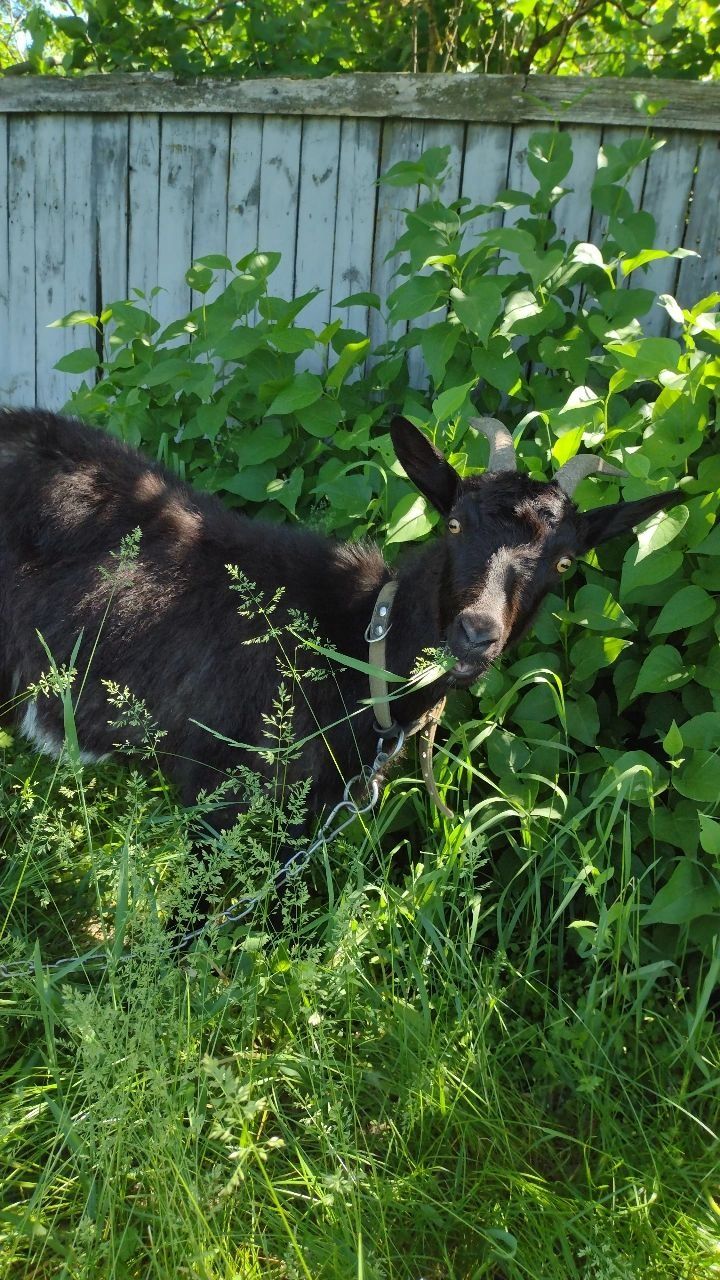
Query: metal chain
column 329, row 830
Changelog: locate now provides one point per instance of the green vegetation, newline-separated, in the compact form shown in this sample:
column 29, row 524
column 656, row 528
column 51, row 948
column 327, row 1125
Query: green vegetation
column 322, row 37
column 480, row 1048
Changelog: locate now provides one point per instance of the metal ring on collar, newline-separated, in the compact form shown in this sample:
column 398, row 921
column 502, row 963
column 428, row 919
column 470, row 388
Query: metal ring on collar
column 379, row 634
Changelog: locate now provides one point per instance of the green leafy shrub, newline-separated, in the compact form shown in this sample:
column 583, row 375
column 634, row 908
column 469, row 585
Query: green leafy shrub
column 603, row 726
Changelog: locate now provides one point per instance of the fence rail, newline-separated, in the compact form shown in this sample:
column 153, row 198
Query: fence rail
column 113, row 183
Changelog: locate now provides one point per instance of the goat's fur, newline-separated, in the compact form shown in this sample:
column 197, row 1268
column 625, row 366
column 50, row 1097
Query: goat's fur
column 167, row 625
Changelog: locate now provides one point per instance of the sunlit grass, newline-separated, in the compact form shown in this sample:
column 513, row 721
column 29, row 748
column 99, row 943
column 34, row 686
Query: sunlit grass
column 445, row 1068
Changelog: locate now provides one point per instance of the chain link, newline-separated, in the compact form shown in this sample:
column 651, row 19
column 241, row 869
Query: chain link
column 329, row 830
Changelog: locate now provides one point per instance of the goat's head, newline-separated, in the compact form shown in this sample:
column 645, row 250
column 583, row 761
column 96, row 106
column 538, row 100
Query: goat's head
column 508, row 539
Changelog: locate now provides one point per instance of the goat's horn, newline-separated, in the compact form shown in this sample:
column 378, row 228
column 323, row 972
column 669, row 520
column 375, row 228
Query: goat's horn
column 584, row 464
column 502, row 450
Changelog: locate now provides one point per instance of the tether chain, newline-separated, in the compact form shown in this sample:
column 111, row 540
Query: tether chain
column 368, row 777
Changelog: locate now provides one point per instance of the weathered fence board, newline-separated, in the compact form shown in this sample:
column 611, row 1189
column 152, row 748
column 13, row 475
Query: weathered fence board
column 17, row 382
column 498, row 99
column 279, row 191
column 243, row 194
column 108, row 185
column 699, row 277
column 355, row 216
column 210, row 175
column 144, row 202
column 316, row 224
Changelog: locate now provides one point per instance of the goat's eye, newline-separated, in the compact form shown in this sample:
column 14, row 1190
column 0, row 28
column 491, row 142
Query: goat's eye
column 563, row 564
column 453, row 525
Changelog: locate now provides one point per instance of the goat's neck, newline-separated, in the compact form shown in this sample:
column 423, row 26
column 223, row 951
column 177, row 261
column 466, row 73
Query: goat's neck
column 417, row 624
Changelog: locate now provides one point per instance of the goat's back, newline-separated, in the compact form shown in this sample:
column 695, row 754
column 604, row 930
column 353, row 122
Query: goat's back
column 166, row 622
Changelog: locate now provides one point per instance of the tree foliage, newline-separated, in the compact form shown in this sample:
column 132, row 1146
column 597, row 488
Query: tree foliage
column 676, row 38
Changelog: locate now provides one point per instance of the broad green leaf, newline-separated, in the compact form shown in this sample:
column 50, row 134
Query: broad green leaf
column 437, row 343
column 498, row 366
column 352, row 354
column 549, row 158
column 293, row 340
column 168, row 371
column 588, row 253
column 74, row 317
column 251, row 482
column 583, row 721
column 659, row 531
column 646, row 358
column 703, row 731
column 686, row 896
column 207, row 420
column 567, row 445
column 478, row 307
column 663, row 671
column 645, row 256
column 710, row 546
column 238, row 344
column 449, row 402
column 417, row 296
column 360, row 300
column 686, row 608
column 199, row 278
column 595, row 608
column 78, row 361
column 409, row 520
column 699, row 777
column 320, row 418
column 710, row 835
column 593, row 653
column 305, row 390
column 655, row 568
column 216, row 261
column 286, row 490
column 261, row 444
column 673, row 741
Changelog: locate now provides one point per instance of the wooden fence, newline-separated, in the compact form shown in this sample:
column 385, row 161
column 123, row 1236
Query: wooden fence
column 118, row 182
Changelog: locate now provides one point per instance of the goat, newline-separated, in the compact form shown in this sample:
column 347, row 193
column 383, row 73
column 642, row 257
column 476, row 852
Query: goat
column 168, row 626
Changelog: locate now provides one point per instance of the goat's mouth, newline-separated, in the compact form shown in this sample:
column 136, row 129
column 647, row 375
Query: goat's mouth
column 466, row 671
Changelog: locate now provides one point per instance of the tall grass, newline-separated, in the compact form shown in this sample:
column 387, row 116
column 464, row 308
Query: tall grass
column 454, row 1061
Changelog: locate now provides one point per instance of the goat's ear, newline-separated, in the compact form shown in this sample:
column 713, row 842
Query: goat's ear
column 425, row 465
column 608, row 522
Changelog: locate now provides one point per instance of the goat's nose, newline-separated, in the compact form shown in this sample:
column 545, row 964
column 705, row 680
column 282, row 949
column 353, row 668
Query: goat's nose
column 480, row 633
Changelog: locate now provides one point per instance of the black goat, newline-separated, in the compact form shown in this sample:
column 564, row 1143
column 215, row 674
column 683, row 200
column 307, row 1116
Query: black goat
column 168, row 625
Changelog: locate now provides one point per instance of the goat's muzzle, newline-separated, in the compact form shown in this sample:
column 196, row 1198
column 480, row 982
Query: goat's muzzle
column 475, row 640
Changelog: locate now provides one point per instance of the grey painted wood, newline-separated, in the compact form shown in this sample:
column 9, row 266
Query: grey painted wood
column 144, row 202
column 666, row 194
column 48, row 157
column 316, row 226
column 17, row 380
column 355, row 218
column 244, row 186
column 82, row 202
column 4, row 257
column 485, row 172
column 279, row 190
column 573, row 212
column 401, row 140
column 175, row 216
column 110, row 180
column 699, row 277
column 210, row 193
column 476, row 97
